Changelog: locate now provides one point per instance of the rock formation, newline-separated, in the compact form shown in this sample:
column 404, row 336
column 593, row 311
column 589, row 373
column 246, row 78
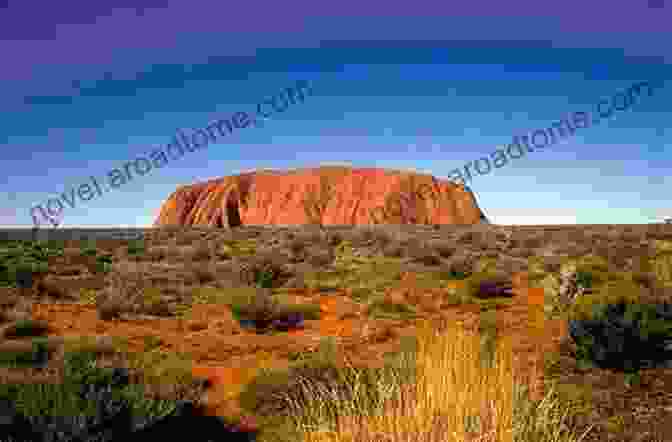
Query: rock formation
column 321, row 196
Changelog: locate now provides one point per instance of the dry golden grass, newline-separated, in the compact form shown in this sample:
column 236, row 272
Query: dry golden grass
column 455, row 397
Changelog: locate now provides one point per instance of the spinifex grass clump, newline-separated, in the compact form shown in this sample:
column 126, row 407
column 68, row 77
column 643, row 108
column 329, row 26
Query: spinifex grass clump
column 453, row 397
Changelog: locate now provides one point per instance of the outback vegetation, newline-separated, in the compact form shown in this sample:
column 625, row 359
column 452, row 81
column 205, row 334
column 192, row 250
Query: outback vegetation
column 395, row 333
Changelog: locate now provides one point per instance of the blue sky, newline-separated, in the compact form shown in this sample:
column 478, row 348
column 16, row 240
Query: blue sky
column 425, row 88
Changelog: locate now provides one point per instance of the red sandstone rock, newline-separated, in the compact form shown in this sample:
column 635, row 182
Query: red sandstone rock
column 324, row 195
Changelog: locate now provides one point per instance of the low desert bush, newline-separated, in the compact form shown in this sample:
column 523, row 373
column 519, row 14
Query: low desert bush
column 444, row 249
column 202, row 251
column 463, row 264
column 136, row 247
column 159, row 253
column 26, row 328
column 622, row 327
column 334, row 239
column 320, row 257
column 111, row 308
column 490, row 284
column 26, row 353
column 120, row 295
column 88, row 403
column 393, row 250
column 267, row 269
column 426, row 257
column 50, row 287
column 204, row 275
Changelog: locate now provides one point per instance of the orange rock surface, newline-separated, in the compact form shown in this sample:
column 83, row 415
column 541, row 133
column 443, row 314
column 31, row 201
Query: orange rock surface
column 323, row 195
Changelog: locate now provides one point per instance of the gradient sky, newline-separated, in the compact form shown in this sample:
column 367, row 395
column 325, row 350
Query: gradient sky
column 411, row 85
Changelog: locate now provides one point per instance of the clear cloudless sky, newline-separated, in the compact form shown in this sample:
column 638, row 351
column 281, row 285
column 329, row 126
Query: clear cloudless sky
column 422, row 85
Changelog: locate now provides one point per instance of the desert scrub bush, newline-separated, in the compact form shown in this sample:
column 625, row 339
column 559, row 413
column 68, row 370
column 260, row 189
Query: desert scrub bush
column 26, row 328
column 35, row 352
column 266, row 270
column 204, row 275
column 462, row 263
column 334, row 238
column 320, row 257
column 50, row 287
column 445, row 249
column 159, row 253
column 88, row 248
column 136, row 247
column 488, row 284
column 151, row 302
column 393, row 250
column 622, row 328
column 387, row 310
column 111, row 308
column 262, row 307
column 449, row 274
column 85, row 402
column 19, row 261
column 119, row 295
column 201, row 251
column 363, row 236
column 103, row 264
column 285, row 307
column 424, row 256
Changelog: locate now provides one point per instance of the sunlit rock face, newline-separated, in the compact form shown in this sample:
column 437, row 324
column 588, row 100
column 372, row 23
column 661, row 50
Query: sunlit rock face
column 324, row 196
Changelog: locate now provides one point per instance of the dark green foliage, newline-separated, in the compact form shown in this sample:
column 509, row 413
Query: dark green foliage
column 625, row 336
column 453, row 275
column 20, row 260
column 26, row 328
column 88, row 249
column 91, row 403
column 136, row 247
column 37, row 355
column 103, row 263
column 264, row 278
column 584, row 279
column 264, row 270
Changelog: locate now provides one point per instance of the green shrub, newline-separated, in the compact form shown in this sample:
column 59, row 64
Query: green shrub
column 584, row 279
column 26, row 328
column 136, row 247
column 19, row 261
column 619, row 327
column 88, row 249
column 103, row 264
column 613, row 292
column 37, row 354
column 66, row 399
column 452, row 275
column 623, row 336
column 382, row 308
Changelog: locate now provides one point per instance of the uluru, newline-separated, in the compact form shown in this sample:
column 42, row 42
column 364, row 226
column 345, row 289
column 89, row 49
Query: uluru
column 331, row 195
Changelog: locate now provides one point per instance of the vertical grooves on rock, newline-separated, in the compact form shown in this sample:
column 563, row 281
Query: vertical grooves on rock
column 258, row 198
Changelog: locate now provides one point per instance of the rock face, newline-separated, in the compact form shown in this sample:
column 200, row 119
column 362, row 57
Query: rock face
column 321, row 196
